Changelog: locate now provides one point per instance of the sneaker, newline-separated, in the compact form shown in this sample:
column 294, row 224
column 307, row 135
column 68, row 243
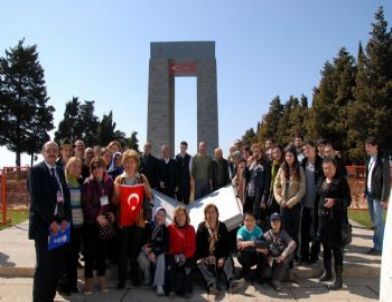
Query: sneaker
column 236, row 285
column 160, row 291
column 373, row 251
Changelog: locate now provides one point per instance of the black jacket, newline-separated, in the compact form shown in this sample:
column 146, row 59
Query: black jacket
column 168, row 176
column 149, row 167
column 381, row 178
column 159, row 243
column 331, row 221
column 214, row 171
column 182, row 169
column 43, row 198
column 222, row 246
column 261, row 175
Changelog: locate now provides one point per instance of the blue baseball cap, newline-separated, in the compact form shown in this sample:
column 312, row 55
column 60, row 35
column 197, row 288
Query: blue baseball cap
column 275, row 216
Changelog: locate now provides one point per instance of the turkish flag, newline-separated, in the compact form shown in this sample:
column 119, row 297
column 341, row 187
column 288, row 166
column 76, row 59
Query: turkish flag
column 131, row 201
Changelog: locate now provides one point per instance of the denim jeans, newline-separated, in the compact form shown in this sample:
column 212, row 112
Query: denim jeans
column 375, row 212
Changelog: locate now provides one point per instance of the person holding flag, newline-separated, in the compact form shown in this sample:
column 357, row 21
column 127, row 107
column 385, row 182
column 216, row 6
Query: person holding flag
column 131, row 188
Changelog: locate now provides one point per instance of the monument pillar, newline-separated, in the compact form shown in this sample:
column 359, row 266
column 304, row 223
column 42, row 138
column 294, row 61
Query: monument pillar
column 171, row 59
column 207, row 104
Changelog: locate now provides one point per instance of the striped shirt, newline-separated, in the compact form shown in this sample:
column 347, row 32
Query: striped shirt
column 75, row 191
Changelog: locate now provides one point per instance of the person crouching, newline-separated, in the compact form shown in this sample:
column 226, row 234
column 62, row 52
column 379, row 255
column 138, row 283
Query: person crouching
column 154, row 251
column 250, row 249
column 281, row 248
column 212, row 252
column 182, row 249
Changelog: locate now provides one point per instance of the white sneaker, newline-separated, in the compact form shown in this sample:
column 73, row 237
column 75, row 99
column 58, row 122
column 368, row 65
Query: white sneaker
column 160, row 291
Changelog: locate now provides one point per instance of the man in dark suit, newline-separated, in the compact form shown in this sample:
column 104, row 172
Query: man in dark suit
column 49, row 210
column 149, row 166
column 183, row 160
column 167, row 173
column 377, row 190
column 220, row 170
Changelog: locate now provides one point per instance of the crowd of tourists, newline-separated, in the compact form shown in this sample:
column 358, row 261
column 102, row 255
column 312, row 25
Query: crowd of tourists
column 294, row 199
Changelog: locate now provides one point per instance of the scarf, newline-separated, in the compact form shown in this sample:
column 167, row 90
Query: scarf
column 213, row 237
column 274, row 172
column 126, row 179
column 72, row 180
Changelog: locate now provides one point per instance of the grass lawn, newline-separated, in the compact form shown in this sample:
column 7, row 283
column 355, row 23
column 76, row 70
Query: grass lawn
column 16, row 218
column 362, row 217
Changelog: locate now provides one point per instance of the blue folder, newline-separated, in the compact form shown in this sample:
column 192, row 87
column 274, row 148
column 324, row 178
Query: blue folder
column 60, row 239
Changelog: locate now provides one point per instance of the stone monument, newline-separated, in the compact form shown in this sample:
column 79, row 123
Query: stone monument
column 171, row 59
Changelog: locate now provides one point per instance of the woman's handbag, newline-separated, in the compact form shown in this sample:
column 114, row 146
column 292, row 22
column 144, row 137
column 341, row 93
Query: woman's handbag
column 147, row 209
column 347, row 233
column 108, row 231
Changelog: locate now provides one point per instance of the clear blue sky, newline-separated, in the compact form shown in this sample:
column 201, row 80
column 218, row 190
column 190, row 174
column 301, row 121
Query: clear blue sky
column 99, row 50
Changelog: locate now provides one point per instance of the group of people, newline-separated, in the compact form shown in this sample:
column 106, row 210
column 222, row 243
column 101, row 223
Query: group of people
column 294, row 200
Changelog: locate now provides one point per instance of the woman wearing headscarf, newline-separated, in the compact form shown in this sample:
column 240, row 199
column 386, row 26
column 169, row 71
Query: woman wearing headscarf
column 154, row 251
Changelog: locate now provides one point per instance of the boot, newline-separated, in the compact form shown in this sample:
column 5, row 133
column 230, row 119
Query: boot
column 102, row 284
column 88, row 286
column 338, row 283
column 327, row 275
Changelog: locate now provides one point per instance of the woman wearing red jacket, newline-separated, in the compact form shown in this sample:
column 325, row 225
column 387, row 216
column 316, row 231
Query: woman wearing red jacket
column 182, row 249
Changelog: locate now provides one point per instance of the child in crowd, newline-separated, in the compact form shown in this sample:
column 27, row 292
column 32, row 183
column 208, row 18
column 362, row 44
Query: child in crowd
column 251, row 247
column 281, row 248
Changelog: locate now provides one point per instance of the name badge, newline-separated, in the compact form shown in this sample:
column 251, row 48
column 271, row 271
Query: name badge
column 104, row 200
column 60, row 197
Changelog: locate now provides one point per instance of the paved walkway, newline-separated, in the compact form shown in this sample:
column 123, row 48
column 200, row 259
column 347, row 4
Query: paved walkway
column 358, row 289
column 361, row 277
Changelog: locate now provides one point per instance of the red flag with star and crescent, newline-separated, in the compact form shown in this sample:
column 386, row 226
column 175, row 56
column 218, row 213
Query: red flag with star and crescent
column 131, row 201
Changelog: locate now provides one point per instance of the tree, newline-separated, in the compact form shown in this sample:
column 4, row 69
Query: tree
column 70, row 126
column 79, row 122
column 107, row 131
column 25, row 116
column 270, row 121
column 89, row 123
column 291, row 122
column 249, row 137
column 132, row 142
column 372, row 110
column 329, row 114
column 352, row 100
